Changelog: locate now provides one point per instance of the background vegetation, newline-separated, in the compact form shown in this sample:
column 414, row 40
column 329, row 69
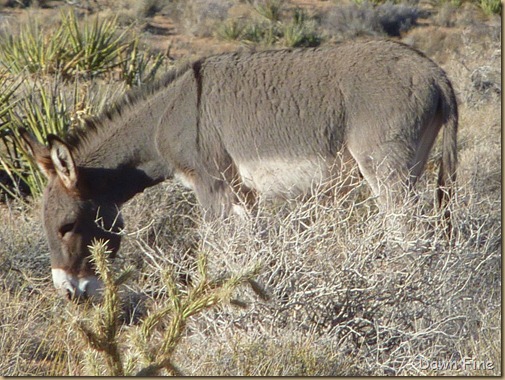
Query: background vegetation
column 304, row 288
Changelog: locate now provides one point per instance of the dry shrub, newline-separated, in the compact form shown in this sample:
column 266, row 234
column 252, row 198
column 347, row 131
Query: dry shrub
column 341, row 280
column 475, row 67
column 335, row 279
column 348, row 21
column 199, row 17
column 481, row 152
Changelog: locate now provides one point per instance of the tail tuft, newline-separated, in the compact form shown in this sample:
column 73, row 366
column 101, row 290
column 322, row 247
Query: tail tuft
column 447, row 172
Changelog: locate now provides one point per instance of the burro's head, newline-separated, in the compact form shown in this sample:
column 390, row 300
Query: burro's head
column 73, row 218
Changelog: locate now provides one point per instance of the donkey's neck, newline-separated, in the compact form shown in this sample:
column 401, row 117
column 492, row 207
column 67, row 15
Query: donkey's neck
column 120, row 158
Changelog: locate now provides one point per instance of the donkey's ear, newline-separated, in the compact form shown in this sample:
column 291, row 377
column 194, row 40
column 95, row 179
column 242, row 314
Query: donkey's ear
column 63, row 162
column 38, row 151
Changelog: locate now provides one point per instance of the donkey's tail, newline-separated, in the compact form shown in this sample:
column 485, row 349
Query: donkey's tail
column 447, row 172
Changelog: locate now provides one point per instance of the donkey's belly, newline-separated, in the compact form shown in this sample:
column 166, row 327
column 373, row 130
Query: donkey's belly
column 283, row 178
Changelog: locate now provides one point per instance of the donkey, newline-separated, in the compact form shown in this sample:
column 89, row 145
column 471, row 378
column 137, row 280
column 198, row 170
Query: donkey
column 237, row 125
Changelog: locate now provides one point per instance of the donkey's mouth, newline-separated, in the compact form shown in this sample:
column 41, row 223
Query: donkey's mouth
column 76, row 288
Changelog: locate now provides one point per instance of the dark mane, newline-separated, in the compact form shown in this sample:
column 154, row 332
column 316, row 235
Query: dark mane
column 80, row 136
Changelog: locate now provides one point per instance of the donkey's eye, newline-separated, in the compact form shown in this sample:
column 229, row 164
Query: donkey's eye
column 66, row 228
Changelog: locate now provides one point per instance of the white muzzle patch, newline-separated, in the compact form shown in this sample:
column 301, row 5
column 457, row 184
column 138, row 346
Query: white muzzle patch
column 76, row 287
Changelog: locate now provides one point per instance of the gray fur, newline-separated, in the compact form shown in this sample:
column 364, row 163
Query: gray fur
column 272, row 122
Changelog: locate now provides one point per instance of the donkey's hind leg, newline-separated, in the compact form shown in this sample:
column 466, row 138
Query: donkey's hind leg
column 388, row 174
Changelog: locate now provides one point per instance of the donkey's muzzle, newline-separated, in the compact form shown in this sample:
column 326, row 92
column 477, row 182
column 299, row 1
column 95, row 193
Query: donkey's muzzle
column 76, row 288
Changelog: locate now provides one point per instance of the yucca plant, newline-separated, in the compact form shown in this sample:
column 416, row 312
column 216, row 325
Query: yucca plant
column 269, row 9
column 8, row 84
column 139, row 66
column 21, row 176
column 270, row 30
column 71, row 49
column 33, row 50
column 491, row 7
column 50, row 60
column 87, row 50
column 8, row 152
column 263, row 33
column 93, row 48
column 230, row 30
column 301, row 31
column 41, row 108
column 378, row 2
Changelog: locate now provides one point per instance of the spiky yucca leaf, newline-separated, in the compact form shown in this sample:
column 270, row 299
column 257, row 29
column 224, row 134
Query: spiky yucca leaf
column 42, row 108
column 94, row 47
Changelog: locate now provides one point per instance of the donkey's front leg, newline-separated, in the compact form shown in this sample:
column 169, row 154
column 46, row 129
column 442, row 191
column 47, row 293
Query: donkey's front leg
column 217, row 198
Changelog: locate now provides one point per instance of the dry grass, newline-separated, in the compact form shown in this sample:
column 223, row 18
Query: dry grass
column 342, row 299
column 335, row 294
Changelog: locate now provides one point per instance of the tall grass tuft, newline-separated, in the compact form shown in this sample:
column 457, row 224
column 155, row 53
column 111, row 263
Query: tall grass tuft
column 491, row 7
column 296, row 29
column 301, row 31
column 269, row 9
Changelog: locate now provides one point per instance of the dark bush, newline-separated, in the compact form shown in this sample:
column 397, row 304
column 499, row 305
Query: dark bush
column 397, row 18
column 366, row 19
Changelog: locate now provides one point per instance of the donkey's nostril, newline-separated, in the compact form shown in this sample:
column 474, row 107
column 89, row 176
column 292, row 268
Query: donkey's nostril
column 68, row 294
column 69, row 291
column 75, row 293
column 84, row 291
